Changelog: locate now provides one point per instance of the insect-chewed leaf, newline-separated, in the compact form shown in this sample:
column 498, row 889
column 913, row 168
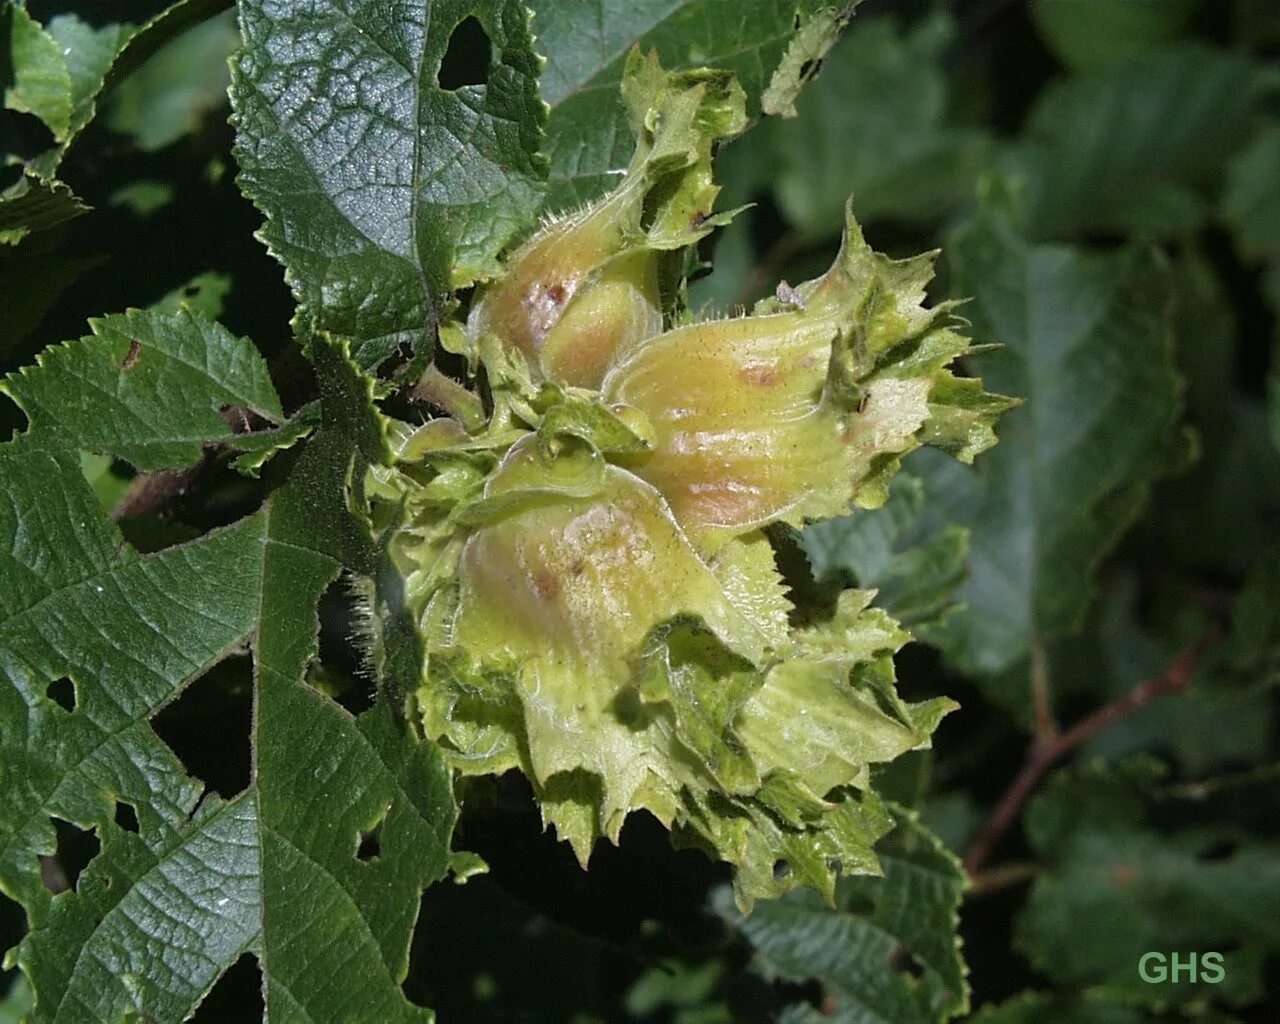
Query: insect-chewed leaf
column 155, row 383
column 382, row 188
column 199, row 880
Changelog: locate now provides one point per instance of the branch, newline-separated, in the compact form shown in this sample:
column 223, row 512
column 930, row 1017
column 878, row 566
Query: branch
column 1044, row 753
column 150, row 494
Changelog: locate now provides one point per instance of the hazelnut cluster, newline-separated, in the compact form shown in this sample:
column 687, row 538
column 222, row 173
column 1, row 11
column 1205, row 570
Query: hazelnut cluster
column 594, row 561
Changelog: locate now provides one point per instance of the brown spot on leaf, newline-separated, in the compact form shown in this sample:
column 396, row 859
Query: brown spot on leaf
column 132, row 356
column 555, row 292
column 545, row 584
column 761, row 375
column 697, row 219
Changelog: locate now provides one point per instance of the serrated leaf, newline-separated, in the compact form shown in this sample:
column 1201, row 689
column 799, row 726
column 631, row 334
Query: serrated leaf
column 365, row 773
column 1130, row 147
column 585, row 44
column 41, row 81
column 1236, row 478
column 913, row 565
column 30, row 204
column 78, row 603
column 1086, row 340
column 88, row 53
column 145, row 386
column 1143, row 890
column 382, row 189
column 160, row 913
column 872, row 127
column 852, row 948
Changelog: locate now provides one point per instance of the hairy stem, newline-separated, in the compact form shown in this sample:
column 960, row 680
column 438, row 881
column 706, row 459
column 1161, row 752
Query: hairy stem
column 445, row 393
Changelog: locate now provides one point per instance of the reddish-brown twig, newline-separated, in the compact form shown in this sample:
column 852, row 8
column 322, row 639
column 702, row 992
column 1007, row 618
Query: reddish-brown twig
column 1045, row 752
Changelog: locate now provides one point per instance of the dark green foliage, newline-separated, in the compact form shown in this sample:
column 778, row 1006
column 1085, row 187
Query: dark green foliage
column 192, row 415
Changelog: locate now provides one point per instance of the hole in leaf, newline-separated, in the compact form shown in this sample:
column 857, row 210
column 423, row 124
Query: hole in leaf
column 811, row 992
column 369, row 846
column 339, row 670
column 781, row 870
column 126, row 817
column 908, row 963
column 63, row 693
column 75, row 848
column 189, row 502
column 466, row 61
column 207, row 727
column 396, row 364
column 237, row 995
